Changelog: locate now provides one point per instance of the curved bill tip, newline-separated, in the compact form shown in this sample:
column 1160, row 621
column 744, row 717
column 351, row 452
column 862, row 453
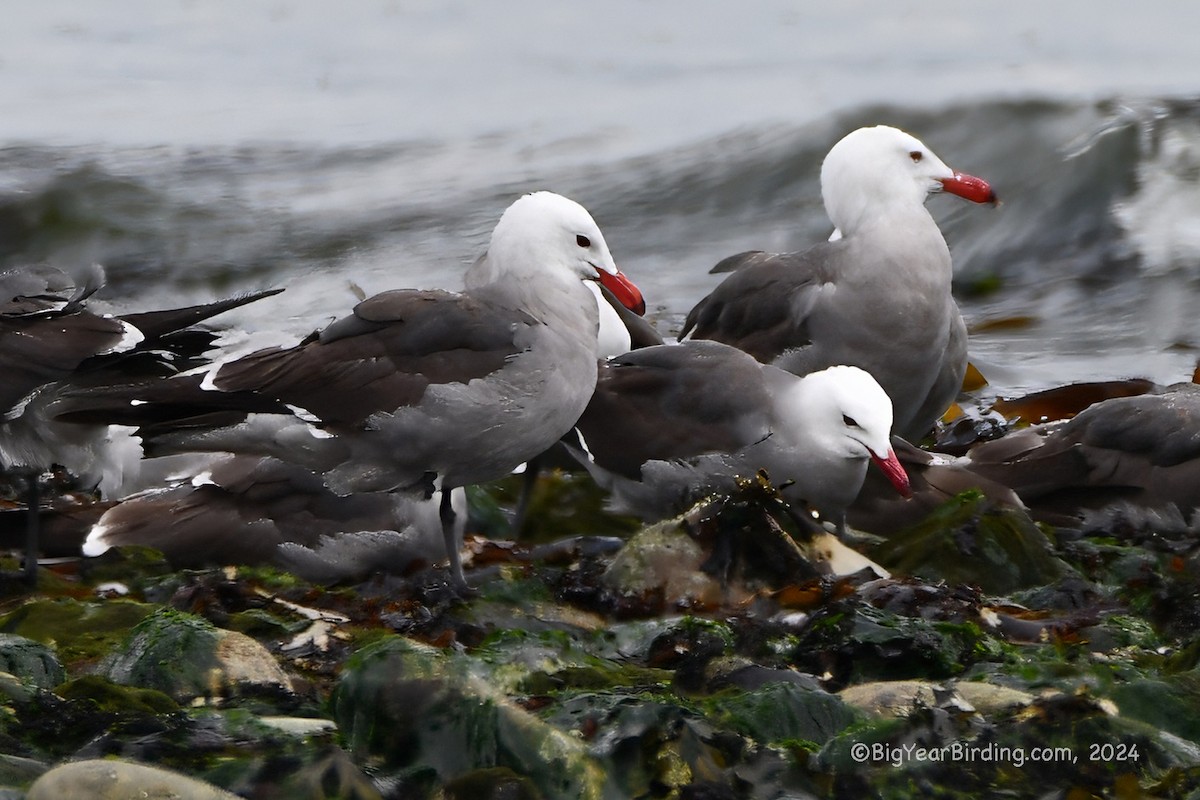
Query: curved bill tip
column 895, row 472
column 968, row 187
column 624, row 290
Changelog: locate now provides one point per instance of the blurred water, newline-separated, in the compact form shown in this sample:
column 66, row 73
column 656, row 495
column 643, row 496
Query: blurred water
column 201, row 148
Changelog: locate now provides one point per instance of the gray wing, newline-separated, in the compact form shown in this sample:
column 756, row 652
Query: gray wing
column 658, row 404
column 45, row 333
column 383, row 356
column 1144, row 449
column 764, row 306
column 246, row 509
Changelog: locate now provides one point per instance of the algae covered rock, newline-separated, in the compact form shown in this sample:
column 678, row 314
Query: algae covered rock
column 663, row 559
column 31, row 661
column 119, row 780
column 79, row 632
column 972, row 540
column 856, row 642
column 117, row 699
column 1170, row 703
column 414, row 710
column 185, row 656
column 651, row 745
column 784, row 711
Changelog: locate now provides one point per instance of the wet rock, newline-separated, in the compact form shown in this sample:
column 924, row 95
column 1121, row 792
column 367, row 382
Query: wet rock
column 688, row 647
column 328, row 774
column 18, row 771
column 854, row 642
column 972, row 540
column 662, row 559
column 989, row 698
column 652, row 745
column 186, row 657
column 522, row 662
column 515, row 600
column 741, row 673
column 913, row 598
column 783, row 711
column 300, row 726
column 900, row 698
column 15, row 690
column 419, row 712
column 29, row 660
column 114, row 698
column 82, row 633
column 495, row 783
column 1171, row 703
column 120, row 780
column 891, row 698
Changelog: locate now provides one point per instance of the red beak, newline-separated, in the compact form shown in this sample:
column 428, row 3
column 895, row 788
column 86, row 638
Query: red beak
column 624, row 290
column 894, row 471
column 970, row 188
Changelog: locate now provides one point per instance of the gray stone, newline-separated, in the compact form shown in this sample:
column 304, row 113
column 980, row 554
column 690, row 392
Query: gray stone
column 891, row 698
column 121, row 780
column 31, row 661
column 663, row 557
column 186, row 657
column 17, row 771
column 300, row 726
column 988, row 698
column 14, row 689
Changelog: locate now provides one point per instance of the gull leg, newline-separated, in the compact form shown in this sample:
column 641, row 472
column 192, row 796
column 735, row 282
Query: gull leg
column 449, row 536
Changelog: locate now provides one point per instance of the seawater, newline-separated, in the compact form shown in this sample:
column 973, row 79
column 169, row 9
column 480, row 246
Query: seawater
column 202, row 149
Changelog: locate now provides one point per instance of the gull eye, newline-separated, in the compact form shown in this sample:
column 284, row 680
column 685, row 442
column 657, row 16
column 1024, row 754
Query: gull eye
column 916, row 156
column 849, row 421
column 583, row 241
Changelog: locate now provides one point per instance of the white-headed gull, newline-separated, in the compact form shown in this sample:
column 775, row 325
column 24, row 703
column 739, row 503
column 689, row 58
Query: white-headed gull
column 431, row 390
column 876, row 296
column 670, row 424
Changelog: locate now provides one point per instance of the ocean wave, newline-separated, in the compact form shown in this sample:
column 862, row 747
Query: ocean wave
column 1095, row 197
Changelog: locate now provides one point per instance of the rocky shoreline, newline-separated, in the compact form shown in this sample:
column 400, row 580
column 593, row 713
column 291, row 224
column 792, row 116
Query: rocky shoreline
column 998, row 656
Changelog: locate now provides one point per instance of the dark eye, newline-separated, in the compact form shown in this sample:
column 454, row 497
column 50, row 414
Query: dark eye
column 583, row 241
column 916, row 155
column 849, row 421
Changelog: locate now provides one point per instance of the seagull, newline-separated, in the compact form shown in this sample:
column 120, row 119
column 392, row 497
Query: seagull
column 670, row 424
column 419, row 390
column 259, row 510
column 1142, row 450
column 876, row 296
column 52, row 344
